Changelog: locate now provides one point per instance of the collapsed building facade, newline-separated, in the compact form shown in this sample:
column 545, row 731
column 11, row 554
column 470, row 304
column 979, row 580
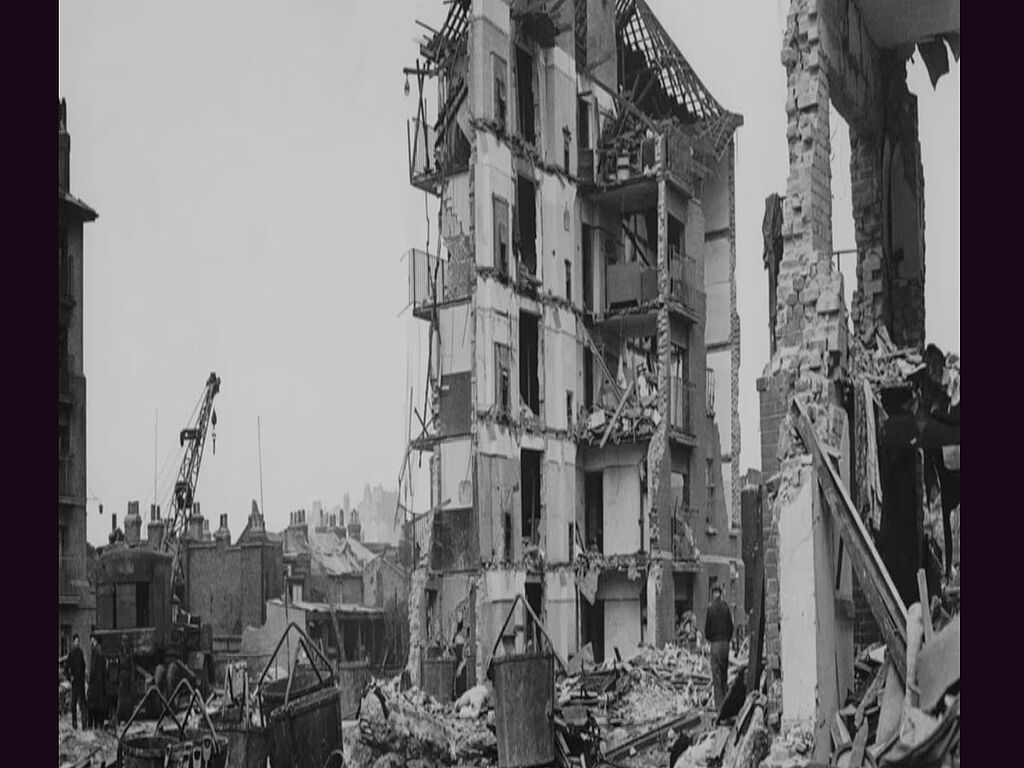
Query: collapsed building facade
column 581, row 411
column 859, row 419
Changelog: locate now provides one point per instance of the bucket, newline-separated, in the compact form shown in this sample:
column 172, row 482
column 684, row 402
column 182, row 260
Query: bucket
column 524, row 696
column 352, row 679
column 438, row 676
column 246, row 743
column 199, row 749
column 303, row 733
column 145, row 751
column 272, row 693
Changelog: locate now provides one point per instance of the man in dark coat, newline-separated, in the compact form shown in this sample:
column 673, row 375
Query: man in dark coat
column 718, row 631
column 97, row 684
column 74, row 668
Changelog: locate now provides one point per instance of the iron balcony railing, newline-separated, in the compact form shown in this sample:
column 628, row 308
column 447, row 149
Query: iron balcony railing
column 681, row 549
column 435, row 281
column 679, row 404
column 683, row 278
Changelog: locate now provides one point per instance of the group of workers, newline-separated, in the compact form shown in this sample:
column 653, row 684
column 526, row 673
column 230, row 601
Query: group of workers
column 93, row 701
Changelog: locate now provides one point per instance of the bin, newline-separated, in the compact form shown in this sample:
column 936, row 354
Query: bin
column 438, row 676
column 352, row 679
column 272, row 693
column 524, row 699
column 304, row 732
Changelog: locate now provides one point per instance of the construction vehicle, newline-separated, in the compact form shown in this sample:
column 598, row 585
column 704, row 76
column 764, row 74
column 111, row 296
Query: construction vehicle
column 140, row 588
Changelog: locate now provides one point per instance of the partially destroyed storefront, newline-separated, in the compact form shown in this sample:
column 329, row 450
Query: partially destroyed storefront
column 581, row 414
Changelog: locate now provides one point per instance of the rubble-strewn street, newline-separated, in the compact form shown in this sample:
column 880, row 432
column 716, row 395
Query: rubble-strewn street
column 657, row 493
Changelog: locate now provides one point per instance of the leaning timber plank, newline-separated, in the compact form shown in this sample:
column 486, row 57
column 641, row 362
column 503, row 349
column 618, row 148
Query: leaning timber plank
column 690, row 720
column 885, row 602
column 618, row 412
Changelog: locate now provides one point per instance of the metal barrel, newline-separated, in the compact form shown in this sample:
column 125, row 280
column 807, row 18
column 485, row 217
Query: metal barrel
column 247, row 743
column 524, row 699
column 304, row 733
column 145, row 751
column 438, row 676
column 272, row 693
column 352, row 679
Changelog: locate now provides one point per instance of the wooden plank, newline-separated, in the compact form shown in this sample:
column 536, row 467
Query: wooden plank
column 618, row 412
column 687, row 722
column 926, row 610
column 886, row 605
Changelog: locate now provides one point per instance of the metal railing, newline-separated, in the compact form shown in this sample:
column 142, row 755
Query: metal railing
column 433, row 280
column 679, row 404
column 683, row 278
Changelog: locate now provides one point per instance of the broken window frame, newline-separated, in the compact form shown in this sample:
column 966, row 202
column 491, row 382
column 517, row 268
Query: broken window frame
column 568, row 280
column 526, row 105
column 499, row 71
column 530, row 363
column 503, row 378
column 500, row 218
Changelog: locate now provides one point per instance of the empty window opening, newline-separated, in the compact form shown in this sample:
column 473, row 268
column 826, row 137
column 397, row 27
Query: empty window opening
column 501, row 235
column 588, row 379
column 141, row 604
column 529, row 485
column 568, row 281
column 524, row 89
column 568, row 410
column 711, row 489
column 592, row 627
column 583, row 122
column 535, row 599
column 588, row 267
column 500, row 69
column 566, row 144
column 507, row 525
column 593, row 505
column 686, row 625
column 529, row 354
column 503, row 379
column 524, row 236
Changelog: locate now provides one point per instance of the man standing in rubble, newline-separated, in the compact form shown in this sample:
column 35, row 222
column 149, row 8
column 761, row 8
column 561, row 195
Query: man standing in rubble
column 75, row 671
column 97, row 685
column 718, row 632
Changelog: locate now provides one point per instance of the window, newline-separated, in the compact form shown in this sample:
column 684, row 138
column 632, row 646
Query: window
column 568, row 410
column 500, row 89
column 529, row 483
column 588, row 379
column 529, row 361
column 711, row 487
column 63, row 543
column 524, row 235
column 583, row 122
column 568, row 281
column 587, row 237
column 141, row 604
column 65, row 639
column 501, row 235
column 524, row 89
column 566, row 144
column 503, row 378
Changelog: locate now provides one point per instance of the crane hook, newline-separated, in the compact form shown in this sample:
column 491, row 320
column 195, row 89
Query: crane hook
column 213, row 420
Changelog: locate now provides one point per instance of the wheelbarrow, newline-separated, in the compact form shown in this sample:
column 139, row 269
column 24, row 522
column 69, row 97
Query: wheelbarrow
column 302, row 712
column 185, row 748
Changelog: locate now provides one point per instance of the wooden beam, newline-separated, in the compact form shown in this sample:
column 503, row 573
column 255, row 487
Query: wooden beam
column 618, row 412
column 885, row 602
column 687, row 722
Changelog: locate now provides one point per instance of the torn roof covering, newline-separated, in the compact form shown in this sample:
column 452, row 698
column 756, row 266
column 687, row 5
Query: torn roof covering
column 334, row 555
column 681, row 94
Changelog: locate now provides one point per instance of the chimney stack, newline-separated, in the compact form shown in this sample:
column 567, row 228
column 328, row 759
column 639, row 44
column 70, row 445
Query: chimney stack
column 155, row 531
column 133, row 524
column 63, row 148
column 223, row 533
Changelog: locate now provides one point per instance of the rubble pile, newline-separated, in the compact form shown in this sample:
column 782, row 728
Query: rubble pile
column 414, row 726
column 633, row 417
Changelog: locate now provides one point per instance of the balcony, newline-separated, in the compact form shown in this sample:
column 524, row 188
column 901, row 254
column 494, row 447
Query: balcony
column 424, row 172
column 680, row 402
column 72, row 579
column 684, row 285
column 630, row 285
column 435, row 282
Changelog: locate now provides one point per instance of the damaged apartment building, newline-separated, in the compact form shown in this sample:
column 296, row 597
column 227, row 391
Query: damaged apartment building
column 581, row 406
column 860, row 419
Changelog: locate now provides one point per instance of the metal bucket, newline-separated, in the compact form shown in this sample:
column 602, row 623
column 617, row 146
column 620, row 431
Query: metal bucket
column 524, row 697
column 199, row 749
column 272, row 693
column 246, row 743
column 145, row 751
column 304, row 733
column 352, row 679
column 438, row 676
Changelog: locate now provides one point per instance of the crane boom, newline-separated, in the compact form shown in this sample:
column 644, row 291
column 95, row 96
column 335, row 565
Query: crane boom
column 193, row 439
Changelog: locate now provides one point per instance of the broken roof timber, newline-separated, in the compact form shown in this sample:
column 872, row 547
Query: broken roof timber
column 638, row 29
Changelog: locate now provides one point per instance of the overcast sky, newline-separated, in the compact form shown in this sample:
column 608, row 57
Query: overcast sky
column 248, row 162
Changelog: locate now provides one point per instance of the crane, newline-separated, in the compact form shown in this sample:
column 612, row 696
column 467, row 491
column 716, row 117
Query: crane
column 194, row 436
